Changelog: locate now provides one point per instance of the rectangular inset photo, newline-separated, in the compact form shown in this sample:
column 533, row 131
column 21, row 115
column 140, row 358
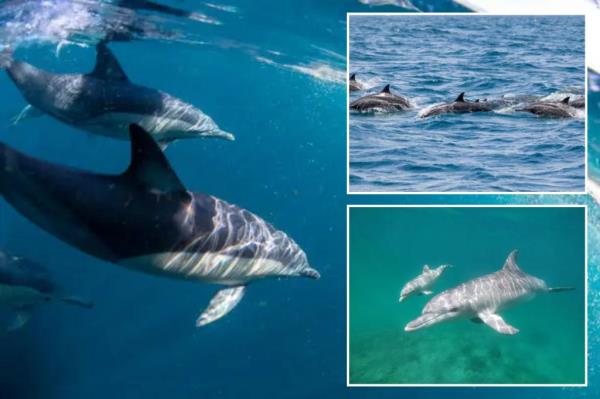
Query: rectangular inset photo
column 467, row 296
column 466, row 103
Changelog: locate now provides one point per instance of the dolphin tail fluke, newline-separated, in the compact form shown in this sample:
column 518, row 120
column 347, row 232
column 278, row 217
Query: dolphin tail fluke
column 560, row 289
column 221, row 304
column 5, row 58
column 73, row 300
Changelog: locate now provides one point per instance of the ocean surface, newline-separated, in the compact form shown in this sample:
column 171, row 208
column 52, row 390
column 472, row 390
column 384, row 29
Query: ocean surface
column 431, row 60
column 390, row 246
column 273, row 73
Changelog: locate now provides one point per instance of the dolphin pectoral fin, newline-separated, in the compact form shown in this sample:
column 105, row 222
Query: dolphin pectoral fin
column 497, row 323
column 26, row 113
column 21, row 318
column 221, row 303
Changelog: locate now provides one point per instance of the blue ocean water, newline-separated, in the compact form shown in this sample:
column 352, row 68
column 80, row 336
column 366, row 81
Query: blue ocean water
column 430, row 60
column 287, row 338
column 388, row 248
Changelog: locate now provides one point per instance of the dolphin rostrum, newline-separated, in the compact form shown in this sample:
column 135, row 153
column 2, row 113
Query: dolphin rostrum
column 458, row 106
column 483, row 298
column 146, row 220
column 25, row 284
column 423, row 283
column 106, row 102
column 384, row 101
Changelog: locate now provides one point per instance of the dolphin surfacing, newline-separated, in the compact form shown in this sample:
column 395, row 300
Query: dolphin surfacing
column 458, row 106
column 146, row 220
column 384, row 101
column 481, row 299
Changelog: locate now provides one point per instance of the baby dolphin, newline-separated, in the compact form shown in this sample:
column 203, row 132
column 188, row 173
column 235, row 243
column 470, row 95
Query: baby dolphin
column 483, row 298
column 145, row 219
column 355, row 85
column 25, row 284
column 423, row 283
column 106, row 102
column 384, row 101
column 551, row 109
column 458, row 106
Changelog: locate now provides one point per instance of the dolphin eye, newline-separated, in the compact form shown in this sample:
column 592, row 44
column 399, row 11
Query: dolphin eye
column 454, row 309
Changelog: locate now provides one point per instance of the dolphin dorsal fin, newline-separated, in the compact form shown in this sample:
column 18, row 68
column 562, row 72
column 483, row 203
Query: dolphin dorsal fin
column 511, row 262
column 149, row 168
column 107, row 67
column 566, row 100
column 426, row 268
column 460, row 98
column 353, row 77
column 386, row 89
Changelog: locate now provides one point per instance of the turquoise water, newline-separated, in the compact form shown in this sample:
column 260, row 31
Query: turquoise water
column 388, row 248
column 430, row 60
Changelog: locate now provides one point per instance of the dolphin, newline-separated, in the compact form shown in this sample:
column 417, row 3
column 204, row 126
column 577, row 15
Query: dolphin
column 106, row 102
column 423, row 283
column 25, row 284
column 551, row 109
column 383, row 101
column 146, row 220
column 458, row 106
column 483, row 298
column 355, row 85
column 578, row 103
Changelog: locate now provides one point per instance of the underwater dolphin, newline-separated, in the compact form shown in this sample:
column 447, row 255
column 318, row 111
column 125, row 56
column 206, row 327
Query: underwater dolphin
column 146, row 220
column 423, row 283
column 482, row 298
column 105, row 101
column 458, row 106
column 383, row 101
column 25, row 284
column 551, row 109
column 355, row 85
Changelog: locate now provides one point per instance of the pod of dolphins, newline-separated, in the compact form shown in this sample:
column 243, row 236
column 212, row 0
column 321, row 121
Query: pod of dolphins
column 143, row 219
column 386, row 101
column 479, row 300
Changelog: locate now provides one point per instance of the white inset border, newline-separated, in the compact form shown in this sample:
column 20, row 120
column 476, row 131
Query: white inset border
column 588, row 32
column 391, row 385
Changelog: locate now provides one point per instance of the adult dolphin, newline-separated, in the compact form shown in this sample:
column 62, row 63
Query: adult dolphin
column 385, row 101
column 561, row 109
column 106, row 102
column 145, row 219
column 25, row 284
column 458, row 106
column 483, row 298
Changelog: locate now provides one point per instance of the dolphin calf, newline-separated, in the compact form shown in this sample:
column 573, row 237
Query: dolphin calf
column 25, row 284
column 423, row 283
column 146, row 220
column 458, row 106
column 106, row 102
column 384, row 101
column 483, row 298
column 551, row 109
column 355, row 85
